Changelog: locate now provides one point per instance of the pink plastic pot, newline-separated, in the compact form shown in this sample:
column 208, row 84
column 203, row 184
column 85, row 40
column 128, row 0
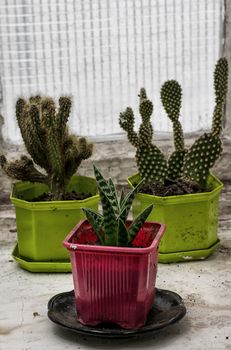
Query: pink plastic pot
column 113, row 284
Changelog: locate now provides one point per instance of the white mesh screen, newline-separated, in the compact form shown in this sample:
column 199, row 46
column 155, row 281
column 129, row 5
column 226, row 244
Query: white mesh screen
column 102, row 52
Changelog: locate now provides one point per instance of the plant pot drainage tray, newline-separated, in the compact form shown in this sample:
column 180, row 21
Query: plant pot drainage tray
column 40, row 266
column 188, row 255
column 167, row 309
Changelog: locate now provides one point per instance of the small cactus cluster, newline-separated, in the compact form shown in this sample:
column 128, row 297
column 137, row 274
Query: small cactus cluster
column 110, row 227
column 190, row 164
column 44, row 131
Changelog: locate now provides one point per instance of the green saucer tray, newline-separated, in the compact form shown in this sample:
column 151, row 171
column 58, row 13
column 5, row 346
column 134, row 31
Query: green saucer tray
column 40, row 266
column 190, row 255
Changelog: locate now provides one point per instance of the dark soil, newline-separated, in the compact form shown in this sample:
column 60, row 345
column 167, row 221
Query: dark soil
column 69, row 196
column 172, row 188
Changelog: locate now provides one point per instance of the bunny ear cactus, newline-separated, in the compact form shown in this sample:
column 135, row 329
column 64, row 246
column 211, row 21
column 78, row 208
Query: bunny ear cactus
column 47, row 140
column 110, row 227
column 206, row 150
column 193, row 164
column 171, row 96
column 150, row 160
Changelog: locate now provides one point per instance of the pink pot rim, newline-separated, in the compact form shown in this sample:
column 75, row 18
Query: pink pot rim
column 87, row 247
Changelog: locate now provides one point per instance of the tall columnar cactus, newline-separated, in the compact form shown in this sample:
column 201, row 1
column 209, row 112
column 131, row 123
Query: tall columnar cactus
column 171, row 96
column 150, row 160
column 47, row 140
column 207, row 148
column 110, row 227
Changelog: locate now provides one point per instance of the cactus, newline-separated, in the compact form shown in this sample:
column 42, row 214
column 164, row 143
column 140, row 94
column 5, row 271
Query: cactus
column 110, row 227
column 22, row 169
column 47, row 140
column 200, row 158
column 220, row 89
column 189, row 164
column 171, row 95
column 207, row 148
column 150, row 160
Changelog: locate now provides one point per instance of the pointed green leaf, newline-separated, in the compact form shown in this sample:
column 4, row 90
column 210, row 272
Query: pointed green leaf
column 138, row 222
column 96, row 220
column 110, row 222
column 122, row 195
column 122, row 234
column 101, row 182
column 131, row 194
column 107, row 188
column 127, row 202
column 113, row 198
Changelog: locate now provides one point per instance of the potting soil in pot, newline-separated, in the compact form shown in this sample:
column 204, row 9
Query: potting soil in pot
column 68, row 196
column 172, row 188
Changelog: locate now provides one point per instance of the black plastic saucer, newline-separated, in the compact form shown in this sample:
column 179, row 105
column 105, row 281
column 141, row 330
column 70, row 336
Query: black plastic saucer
column 167, row 309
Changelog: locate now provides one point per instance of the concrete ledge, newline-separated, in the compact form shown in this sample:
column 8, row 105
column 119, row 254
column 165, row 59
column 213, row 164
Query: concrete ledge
column 203, row 285
column 116, row 159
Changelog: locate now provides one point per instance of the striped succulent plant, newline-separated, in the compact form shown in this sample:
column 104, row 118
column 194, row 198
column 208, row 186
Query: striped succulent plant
column 110, row 226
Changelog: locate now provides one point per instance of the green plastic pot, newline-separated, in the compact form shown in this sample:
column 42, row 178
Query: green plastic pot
column 42, row 226
column 191, row 221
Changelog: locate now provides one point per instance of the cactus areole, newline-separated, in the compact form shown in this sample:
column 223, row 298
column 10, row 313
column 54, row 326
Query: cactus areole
column 184, row 164
column 44, row 131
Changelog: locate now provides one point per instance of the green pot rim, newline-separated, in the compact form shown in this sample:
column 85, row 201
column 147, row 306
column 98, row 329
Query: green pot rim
column 51, row 205
column 185, row 198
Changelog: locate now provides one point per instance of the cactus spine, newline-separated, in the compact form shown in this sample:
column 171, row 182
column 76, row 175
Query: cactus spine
column 46, row 138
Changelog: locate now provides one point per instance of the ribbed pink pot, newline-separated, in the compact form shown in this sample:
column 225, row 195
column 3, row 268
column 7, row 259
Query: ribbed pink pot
column 114, row 284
